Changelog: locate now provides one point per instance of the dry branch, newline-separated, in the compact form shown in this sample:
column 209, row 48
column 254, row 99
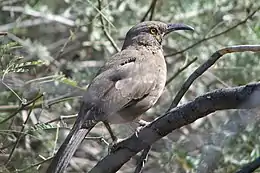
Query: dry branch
column 205, row 66
column 243, row 97
column 250, row 167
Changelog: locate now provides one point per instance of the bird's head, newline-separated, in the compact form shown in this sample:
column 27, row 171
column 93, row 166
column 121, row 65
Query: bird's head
column 151, row 33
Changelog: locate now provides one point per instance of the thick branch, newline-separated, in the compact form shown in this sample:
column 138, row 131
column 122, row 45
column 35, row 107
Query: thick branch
column 244, row 97
column 250, row 167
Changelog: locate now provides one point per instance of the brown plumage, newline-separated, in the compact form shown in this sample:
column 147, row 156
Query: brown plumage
column 127, row 85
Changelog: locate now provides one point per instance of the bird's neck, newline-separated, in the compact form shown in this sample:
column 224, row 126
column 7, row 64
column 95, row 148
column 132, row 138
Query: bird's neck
column 141, row 40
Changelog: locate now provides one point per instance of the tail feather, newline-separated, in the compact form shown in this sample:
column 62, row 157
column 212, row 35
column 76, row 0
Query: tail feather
column 71, row 143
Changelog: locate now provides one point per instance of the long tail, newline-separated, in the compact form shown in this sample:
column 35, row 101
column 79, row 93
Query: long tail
column 71, row 143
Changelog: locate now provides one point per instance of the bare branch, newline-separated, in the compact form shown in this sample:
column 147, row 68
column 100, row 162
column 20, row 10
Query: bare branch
column 180, row 70
column 33, row 165
column 250, row 167
column 205, row 66
column 61, row 118
column 113, row 43
column 3, row 33
column 243, row 97
column 34, row 13
column 23, row 24
column 142, row 160
column 47, row 103
column 23, row 105
column 150, row 9
column 20, row 135
column 216, row 35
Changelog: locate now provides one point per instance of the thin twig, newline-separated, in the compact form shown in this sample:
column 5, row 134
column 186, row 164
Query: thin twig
column 33, row 165
column 48, row 103
column 113, row 43
column 23, row 24
column 57, row 57
column 56, row 138
column 151, row 8
column 31, row 12
column 180, row 70
column 100, row 139
column 101, row 13
column 250, row 167
column 64, row 46
column 205, row 66
column 61, row 118
column 20, row 136
column 142, row 160
column 6, row 146
column 216, row 35
column 23, row 105
column 3, row 33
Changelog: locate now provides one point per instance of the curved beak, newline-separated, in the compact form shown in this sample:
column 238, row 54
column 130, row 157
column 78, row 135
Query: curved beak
column 177, row 26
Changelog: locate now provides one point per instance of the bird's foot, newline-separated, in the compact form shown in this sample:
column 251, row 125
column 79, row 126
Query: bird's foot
column 115, row 145
column 142, row 124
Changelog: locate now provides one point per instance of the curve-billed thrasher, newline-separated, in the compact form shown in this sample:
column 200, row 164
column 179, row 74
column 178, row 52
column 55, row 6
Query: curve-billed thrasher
column 127, row 85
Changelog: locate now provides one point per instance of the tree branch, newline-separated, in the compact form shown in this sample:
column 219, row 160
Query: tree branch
column 23, row 105
column 150, row 9
column 113, row 43
column 48, row 16
column 181, row 70
column 205, row 66
column 39, row 104
column 3, row 33
column 20, row 135
column 243, row 97
column 250, row 167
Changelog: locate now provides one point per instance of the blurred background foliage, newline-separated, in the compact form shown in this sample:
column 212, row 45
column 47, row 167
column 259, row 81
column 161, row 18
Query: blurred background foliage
column 54, row 48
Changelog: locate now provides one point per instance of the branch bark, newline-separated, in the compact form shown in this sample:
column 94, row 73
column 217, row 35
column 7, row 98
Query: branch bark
column 205, row 66
column 243, row 97
column 250, row 167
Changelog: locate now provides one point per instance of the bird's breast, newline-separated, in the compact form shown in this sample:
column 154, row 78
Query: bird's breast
column 153, row 74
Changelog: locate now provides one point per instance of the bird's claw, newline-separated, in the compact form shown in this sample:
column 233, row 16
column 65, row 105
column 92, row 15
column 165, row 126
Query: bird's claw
column 115, row 145
column 143, row 122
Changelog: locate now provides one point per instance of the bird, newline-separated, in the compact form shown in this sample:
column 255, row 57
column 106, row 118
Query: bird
column 126, row 86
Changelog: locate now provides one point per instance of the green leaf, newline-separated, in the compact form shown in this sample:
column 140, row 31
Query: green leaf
column 68, row 81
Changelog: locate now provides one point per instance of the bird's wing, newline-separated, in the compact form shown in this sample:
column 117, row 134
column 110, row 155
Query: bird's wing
column 121, row 85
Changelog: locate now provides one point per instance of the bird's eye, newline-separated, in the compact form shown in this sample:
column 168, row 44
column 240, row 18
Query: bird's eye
column 153, row 31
